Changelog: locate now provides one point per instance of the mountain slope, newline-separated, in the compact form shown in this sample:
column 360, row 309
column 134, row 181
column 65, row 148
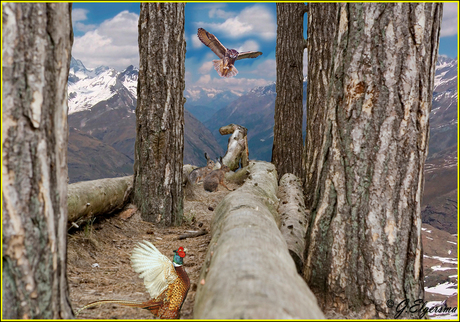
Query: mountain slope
column 90, row 159
column 102, row 103
column 439, row 203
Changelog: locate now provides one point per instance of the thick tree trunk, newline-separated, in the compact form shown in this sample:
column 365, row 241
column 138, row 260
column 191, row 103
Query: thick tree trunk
column 37, row 40
column 159, row 145
column 287, row 148
column 248, row 272
column 88, row 199
column 365, row 169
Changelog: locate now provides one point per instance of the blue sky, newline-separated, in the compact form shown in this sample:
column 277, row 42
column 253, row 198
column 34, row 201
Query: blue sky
column 106, row 34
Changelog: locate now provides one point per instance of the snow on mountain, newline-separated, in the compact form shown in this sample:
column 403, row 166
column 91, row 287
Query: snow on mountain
column 128, row 78
column 87, row 87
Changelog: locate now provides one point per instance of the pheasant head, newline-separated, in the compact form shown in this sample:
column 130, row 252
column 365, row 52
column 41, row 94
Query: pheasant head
column 179, row 254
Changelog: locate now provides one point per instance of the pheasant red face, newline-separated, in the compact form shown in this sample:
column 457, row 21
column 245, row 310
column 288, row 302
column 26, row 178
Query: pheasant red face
column 181, row 252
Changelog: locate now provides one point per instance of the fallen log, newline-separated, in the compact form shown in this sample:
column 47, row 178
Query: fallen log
column 88, row 199
column 294, row 217
column 248, row 272
column 193, row 234
column 237, row 147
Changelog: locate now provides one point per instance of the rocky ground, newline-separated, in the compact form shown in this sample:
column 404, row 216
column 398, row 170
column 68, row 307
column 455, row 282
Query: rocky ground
column 99, row 264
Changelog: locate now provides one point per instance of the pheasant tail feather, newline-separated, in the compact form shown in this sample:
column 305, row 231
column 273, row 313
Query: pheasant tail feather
column 142, row 305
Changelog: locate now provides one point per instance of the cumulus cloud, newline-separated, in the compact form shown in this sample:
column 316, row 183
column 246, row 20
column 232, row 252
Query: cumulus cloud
column 205, row 68
column 79, row 15
column 114, row 43
column 266, row 69
column 234, row 83
column 256, row 20
column 449, row 20
column 248, row 45
column 196, row 43
column 205, row 79
column 219, row 13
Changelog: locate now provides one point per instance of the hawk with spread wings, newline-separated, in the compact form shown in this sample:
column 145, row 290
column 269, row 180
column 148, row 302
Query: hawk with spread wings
column 225, row 65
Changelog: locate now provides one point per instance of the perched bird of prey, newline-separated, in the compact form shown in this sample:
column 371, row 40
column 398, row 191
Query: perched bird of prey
column 166, row 281
column 225, row 66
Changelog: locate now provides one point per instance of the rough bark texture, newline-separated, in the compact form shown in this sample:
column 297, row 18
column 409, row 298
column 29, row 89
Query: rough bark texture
column 88, row 199
column 287, row 148
column 248, row 272
column 294, row 217
column 237, row 147
column 37, row 40
column 370, row 101
column 159, row 144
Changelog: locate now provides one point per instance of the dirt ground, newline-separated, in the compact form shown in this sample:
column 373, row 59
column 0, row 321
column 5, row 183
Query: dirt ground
column 99, row 265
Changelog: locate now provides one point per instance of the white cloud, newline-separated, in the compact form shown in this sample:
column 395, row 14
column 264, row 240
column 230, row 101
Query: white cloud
column 83, row 27
column 196, row 42
column 205, row 68
column 79, row 15
column 205, row 79
column 114, row 43
column 221, row 83
column 449, row 20
column 248, row 45
column 256, row 20
column 266, row 69
column 219, row 13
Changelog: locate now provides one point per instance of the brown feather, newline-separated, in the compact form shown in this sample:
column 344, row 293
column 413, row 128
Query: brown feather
column 249, row 54
column 212, row 42
column 219, row 67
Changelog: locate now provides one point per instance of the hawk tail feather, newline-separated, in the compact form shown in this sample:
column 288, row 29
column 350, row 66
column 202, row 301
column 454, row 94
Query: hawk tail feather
column 219, row 67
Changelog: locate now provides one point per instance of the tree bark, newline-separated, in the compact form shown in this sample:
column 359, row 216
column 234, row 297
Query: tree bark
column 365, row 175
column 287, row 148
column 294, row 217
column 159, row 144
column 37, row 40
column 248, row 272
column 88, row 199
column 237, row 147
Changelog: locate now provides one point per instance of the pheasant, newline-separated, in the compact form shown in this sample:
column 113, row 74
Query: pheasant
column 167, row 282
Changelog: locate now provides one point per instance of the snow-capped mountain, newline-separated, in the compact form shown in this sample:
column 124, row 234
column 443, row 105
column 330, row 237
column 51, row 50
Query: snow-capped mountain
column 87, row 87
column 102, row 103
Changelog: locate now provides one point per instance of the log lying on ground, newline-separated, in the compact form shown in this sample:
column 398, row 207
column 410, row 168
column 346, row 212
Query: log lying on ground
column 87, row 199
column 237, row 147
column 248, row 272
column 294, row 217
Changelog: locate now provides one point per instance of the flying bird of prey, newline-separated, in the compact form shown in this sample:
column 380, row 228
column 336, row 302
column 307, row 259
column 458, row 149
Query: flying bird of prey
column 225, row 65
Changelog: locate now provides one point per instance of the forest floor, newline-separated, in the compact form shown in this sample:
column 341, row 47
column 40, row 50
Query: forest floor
column 99, row 265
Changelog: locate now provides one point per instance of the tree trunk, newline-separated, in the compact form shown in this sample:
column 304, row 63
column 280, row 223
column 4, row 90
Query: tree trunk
column 287, row 148
column 159, row 145
column 248, row 272
column 37, row 40
column 365, row 169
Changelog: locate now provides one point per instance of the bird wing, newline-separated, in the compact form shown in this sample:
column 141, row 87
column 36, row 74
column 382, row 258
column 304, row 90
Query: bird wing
column 249, row 54
column 212, row 42
column 155, row 268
